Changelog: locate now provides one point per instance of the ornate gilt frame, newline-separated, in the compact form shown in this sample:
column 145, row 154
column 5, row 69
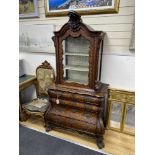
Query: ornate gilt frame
column 31, row 15
column 123, row 121
column 124, row 97
column 110, row 110
column 115, row 9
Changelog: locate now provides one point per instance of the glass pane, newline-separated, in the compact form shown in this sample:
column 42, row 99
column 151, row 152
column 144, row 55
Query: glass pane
column 76, row 60
column 76, row 45
column 76, row 76
column 116, row 115
column 129, row 124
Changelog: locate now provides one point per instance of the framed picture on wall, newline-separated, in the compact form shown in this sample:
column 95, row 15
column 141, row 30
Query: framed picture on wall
column 132, row 41
column 86, row 7
column 28, row 8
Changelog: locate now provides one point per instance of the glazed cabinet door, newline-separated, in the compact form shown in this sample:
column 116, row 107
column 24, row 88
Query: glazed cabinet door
column 76, row 60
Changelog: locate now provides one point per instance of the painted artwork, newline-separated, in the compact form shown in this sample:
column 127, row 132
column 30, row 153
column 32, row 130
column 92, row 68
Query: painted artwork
column 28, row 8
column 36, row 38
column 60, row 7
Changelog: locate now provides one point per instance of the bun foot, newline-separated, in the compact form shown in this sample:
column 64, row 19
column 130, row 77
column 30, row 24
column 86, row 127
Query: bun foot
column 48, row 127
column 100, row 143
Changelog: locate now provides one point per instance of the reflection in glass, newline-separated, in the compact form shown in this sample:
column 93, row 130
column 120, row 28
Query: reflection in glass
column 129, row 123
column 76, row 59
column 116, row 115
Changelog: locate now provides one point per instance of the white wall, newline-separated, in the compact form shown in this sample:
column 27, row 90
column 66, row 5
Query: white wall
column 117, row 62
column 118, row 71
column 33, row 60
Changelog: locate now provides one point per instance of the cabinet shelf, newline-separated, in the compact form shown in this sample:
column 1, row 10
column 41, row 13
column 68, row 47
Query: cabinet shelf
column 76, row 54
column 76, row 80
column 77, row 68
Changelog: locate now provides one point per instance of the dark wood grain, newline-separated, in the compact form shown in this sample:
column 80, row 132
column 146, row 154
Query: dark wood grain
column 80, row 106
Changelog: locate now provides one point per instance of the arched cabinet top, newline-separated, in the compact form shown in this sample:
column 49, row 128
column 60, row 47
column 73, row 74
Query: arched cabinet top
column 75, row 25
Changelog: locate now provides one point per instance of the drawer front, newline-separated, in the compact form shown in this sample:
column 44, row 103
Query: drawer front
column 72, row 118
column 74, row 104
column 73, row 124
column 76, row 97
column 75, row 114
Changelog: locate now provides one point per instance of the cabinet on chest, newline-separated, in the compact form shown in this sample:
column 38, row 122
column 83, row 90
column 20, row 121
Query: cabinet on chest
column 78, row 99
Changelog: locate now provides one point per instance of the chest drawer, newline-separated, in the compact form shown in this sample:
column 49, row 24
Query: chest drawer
column 75, row 97
column 75, row 104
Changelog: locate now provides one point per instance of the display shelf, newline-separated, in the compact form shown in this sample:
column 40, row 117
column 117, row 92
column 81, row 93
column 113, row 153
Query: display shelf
column 76, row 76
column 76, row 80
column 75, row 60
column 77, row 68
column 76, row 54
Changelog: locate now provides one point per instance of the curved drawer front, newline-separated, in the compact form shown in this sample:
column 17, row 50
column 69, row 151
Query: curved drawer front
column 77, row 120
column 74, row 124
column 76, row 97
column 75, row 114
column 74, row 104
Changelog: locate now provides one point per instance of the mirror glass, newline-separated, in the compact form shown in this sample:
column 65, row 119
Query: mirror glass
column 129, row 123
column 116, row 115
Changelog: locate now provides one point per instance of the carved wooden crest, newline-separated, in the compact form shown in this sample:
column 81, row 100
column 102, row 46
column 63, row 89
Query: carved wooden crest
column 74, row 21
column 45, row 65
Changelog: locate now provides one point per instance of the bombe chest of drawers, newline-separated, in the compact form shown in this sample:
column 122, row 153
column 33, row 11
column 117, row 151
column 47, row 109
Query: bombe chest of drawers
column 78, row 110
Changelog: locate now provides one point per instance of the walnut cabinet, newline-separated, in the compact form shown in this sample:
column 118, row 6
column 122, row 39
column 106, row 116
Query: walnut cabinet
column 78, row 99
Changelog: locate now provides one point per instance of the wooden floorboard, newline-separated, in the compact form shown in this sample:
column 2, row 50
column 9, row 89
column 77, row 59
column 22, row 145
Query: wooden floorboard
column 115, row 143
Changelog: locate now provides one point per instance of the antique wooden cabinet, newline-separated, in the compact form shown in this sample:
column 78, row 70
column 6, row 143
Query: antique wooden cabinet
column 78, row 98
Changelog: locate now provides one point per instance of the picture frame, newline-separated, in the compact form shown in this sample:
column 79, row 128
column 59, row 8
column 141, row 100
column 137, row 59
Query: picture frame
column 84, row 7
column 121, row 111
column 28, row 9
column 30, row 40
column 132, row 40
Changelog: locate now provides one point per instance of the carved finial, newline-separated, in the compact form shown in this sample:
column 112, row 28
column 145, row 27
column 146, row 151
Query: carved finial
column 46, row 64
column 74, row 20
